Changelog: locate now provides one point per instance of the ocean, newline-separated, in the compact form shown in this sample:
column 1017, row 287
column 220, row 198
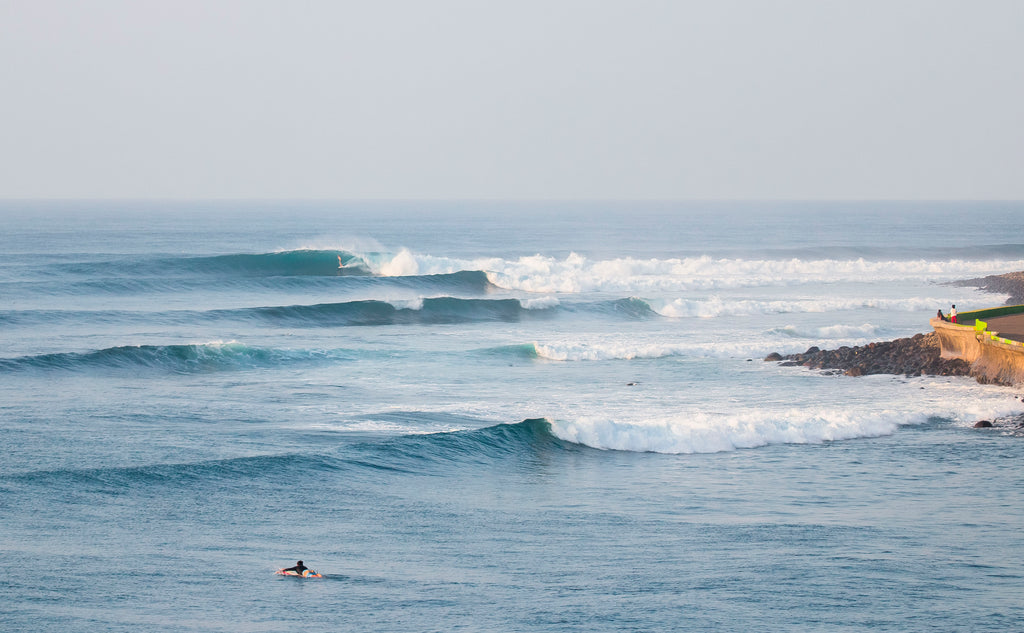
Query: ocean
column 546, row 416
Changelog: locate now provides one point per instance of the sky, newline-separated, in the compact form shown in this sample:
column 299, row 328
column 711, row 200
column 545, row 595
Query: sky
column 555, row 99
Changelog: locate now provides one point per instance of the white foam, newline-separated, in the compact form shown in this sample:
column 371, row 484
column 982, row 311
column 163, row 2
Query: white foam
column 787, row 340
column 217, row 343
column 407, row 304
column 697, row 432
column 402, row 264
column 703, row 432
column 834, row 332
column 577, row 273
column 540, row 303
column 581, row 351
column 716, row 306
column 736, row 347
column 847, row 331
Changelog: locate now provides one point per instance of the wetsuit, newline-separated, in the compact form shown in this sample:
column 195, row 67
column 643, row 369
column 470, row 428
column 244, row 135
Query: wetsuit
column 298, row 569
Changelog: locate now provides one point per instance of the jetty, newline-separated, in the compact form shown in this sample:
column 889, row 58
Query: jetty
column 991, row 340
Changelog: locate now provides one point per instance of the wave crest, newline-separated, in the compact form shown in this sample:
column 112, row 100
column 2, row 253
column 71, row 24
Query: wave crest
column 699, row 432
column 577, row 273
column 421, row 311
column 716, row 306
column 186, row 358
column 577, row 351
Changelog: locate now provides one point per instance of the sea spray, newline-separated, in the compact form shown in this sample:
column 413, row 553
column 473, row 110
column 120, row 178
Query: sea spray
column 577, row 273
column 702, row 432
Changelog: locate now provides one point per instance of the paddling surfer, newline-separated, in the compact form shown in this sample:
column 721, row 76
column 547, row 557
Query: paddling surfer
column 298, row 569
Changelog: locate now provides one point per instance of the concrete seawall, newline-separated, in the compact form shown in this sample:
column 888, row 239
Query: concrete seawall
column 994, row 358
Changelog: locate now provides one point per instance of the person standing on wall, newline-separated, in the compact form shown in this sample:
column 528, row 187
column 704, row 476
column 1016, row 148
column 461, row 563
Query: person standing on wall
column 952, row 314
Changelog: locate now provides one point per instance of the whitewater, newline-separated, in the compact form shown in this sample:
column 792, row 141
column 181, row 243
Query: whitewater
column 498, row 416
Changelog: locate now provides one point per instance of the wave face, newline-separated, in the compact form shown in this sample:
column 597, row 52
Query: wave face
column 434, row 453
column 215, row 473
column 277, row 264
column 191, row 358
column 287, row 263
column 431, row 311
column 271, row 271
column 524, row 440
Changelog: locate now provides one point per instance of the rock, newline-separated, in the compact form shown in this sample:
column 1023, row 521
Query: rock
column 983, row 424
column 915, row 356
column 1009, row 284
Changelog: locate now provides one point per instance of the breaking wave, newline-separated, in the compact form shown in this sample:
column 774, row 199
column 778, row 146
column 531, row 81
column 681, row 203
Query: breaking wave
column 699, row 432
column 570, row 351
column 577, row 273
column 831, row 331
column 273, row 270
column 432, row 311
column 716, row 306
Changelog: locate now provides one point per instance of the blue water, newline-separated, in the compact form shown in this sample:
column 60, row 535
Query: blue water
column 498, row 417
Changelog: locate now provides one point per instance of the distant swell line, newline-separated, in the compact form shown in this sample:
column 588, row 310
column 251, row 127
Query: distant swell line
column 117, row 480
column 188, row 358
column 436, row 452
column 431, row 311
column 272, row 270
column 453, row 310
column 284, row 263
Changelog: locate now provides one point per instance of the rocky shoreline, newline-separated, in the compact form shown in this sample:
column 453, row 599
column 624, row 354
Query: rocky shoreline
column 1010, row 284
column 918, row 355
column 914, row 356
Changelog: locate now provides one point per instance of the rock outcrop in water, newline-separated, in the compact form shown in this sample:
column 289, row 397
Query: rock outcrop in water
column 914, row 356
column 1010, row 284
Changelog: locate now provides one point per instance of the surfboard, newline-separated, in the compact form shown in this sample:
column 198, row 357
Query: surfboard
column 309, row 573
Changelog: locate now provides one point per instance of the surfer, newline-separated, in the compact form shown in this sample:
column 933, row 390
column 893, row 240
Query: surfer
column 298, row 569
column 340, row 265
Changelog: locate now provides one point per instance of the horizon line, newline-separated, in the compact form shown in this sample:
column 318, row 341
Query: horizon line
column 583, row 200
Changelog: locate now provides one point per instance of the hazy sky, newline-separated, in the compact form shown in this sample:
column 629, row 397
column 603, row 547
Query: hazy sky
column 594, row 99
